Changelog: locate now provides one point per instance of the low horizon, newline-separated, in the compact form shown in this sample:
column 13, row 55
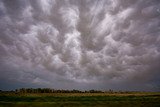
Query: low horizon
column 76, row 90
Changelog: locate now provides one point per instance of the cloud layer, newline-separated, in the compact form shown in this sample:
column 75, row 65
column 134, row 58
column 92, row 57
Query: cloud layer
column 80, row 44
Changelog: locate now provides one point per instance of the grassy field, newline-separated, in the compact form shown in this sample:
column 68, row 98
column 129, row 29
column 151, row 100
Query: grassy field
column 80, row 100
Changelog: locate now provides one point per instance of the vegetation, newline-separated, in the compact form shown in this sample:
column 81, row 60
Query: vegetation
column 48, row 90
column 75, row 98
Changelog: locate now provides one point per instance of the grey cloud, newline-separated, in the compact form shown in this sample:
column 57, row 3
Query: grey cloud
column 81, row 44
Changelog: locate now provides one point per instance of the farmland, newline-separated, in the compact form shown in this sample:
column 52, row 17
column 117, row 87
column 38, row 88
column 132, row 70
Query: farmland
column 131, row 99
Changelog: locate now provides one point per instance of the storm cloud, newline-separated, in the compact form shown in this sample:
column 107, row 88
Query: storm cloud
column 80, row 44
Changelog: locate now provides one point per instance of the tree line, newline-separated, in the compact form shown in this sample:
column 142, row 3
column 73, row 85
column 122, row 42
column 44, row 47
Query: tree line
column 49, row 90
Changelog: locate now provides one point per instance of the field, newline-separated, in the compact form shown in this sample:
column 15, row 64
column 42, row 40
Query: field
column 135, row 99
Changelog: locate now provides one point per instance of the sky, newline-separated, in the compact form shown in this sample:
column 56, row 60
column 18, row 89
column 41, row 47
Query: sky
column 80, row 44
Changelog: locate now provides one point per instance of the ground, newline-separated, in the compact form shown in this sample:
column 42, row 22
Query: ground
column 134, row 99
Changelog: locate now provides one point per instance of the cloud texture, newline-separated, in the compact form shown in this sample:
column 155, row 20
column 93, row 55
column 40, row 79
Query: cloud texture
column 80, row 44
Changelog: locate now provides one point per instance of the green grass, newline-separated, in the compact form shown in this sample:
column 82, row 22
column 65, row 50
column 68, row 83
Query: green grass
column 80, row 100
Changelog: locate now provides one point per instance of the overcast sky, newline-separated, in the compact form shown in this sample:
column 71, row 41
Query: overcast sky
column 80, row 44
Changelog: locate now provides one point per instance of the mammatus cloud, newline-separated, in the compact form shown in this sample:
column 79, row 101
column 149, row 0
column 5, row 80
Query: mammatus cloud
column 80, row 44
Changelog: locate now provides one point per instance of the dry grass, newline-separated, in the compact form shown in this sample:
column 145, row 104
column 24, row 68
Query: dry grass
column 83, row 94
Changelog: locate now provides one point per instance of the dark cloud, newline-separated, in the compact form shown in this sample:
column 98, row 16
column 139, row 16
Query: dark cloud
column 80, row 44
